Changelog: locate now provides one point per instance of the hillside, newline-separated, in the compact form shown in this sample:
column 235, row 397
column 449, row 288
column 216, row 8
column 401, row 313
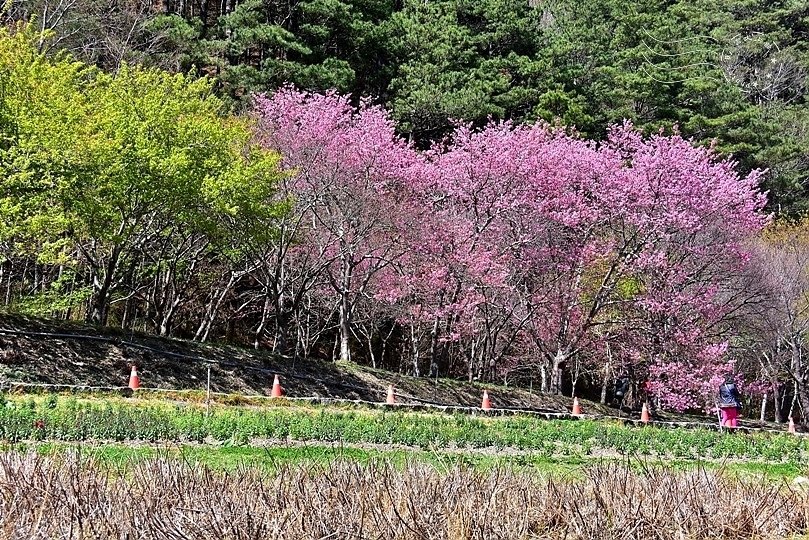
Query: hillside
column 84, row 355
column 310, row 223
column 746, row 63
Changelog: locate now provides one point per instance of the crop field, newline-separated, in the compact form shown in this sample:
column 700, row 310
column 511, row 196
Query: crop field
column 111, row 467
column 63, row 496
column 69, row 418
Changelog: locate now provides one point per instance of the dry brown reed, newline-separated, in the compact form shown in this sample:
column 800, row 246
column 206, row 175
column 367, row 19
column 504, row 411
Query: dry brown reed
column 68, row 497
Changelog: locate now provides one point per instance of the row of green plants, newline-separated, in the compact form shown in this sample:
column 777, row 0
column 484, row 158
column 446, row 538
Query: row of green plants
column 62, row 418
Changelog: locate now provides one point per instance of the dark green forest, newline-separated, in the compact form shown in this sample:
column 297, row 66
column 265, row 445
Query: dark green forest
column 729, row 71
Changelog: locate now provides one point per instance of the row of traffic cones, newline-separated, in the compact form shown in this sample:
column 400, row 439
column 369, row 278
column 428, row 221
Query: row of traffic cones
column 486, row 404
column 134, row 383
column 645, row 417
column 278, row 391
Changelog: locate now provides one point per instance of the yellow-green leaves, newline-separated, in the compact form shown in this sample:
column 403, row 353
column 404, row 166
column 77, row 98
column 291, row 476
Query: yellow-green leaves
column 99, row 168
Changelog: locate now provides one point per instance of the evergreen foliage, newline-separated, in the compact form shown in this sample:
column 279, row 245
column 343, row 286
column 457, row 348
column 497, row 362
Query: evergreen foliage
column 727, row 70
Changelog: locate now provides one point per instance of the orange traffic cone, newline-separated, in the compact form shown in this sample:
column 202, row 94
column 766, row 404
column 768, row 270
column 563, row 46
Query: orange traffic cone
column 487, row 404
column 791, row 427
column 576, row 407
column 134, row 380
column 391, row 400
column 644, row 414
column 277, row 391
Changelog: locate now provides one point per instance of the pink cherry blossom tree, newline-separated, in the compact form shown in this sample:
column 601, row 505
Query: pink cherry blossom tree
column 508, row 242
column 347, row 174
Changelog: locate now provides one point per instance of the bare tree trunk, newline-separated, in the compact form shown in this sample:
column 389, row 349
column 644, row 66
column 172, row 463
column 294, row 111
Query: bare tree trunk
column 414, row 344
column 334, row 349
column 283, row 318
column 99, row 301
column 371, row 350
column 168, row 317
column 576, row 372
column 213, row 310
column 8, row 283
column 763, row 407
column 472, row 355
column 543, row 379
column 263, row 324
column 606, row 381
column 126, row 315
column 434, row 347
column 385, row 345
column 345, row 330
column 605, row 384
column 794, row 401
column 556, row 373
column 69, row 309
column 776, row 399
column 803, row 398
column 345, row 310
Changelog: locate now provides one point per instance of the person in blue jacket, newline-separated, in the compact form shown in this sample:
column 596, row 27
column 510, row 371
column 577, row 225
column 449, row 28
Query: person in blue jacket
column 729, row 402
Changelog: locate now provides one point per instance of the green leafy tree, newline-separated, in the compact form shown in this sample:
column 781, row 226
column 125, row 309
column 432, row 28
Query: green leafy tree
column 114, row 171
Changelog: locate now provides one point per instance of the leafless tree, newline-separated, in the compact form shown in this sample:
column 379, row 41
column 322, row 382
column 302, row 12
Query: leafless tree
column 783, row 259
column 102, row 32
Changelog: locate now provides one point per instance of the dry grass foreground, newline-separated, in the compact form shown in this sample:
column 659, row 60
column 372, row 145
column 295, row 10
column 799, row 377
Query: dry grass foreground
column 67, row 497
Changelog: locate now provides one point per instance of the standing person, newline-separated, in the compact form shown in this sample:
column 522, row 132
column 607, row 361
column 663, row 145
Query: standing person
column 729, row 402
column 621, row 390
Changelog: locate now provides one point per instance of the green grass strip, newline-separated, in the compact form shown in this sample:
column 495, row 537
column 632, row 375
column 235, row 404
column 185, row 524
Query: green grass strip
column 69, row 419
column 270, row 459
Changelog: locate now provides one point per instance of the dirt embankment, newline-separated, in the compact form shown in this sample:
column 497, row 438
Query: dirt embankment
column 51, row 352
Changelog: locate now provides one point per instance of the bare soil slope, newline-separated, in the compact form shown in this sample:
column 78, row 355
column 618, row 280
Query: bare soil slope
column 89, row 356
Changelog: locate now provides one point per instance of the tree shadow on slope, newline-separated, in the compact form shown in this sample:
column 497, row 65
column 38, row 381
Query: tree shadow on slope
column 85, row 355
column 90, row 356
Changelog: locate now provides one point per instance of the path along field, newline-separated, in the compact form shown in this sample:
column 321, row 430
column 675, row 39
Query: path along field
column 76, row 467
